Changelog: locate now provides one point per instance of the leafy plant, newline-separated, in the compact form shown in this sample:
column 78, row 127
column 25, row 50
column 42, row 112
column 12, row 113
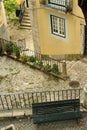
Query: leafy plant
column 40, row 63
column 55, row 69
column 32, row 59
column 9, row 47
column 10, row 6
column 47, row 68
column 16, row 51
column 24, row 57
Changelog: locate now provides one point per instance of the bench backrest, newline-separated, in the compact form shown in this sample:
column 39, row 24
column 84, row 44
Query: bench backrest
column 56, row 106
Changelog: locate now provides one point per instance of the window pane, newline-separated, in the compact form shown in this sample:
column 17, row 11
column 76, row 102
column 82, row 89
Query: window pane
column 58, row 25
column 57, row 2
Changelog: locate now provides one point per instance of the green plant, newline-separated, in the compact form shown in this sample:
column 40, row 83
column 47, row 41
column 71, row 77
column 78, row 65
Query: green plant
column 24, row 57
column 9, row 47
column 40, row 63
column 16, row 51
column 55, row 69
column 10, row 6
column 32, row 59
column 47, row 68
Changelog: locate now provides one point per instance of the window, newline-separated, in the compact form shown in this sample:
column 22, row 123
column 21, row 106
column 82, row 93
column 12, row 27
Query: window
column 57, row 2
column 58, row 26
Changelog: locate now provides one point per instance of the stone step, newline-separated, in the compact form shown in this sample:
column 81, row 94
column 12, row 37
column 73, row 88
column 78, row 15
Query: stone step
column 26, row 21
column 25, row 27
column 26, row 17
column 25, row 24
column 27, row 9
column 26, row 12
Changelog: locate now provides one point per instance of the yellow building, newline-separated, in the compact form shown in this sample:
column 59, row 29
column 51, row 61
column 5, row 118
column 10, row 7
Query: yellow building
column 58, row 27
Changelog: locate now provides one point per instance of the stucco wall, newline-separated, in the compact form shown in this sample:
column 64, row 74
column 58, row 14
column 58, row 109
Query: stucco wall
column 55, row 45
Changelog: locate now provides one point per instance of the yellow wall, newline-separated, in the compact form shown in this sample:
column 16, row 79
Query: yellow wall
column 19, row 1
column 52, row 44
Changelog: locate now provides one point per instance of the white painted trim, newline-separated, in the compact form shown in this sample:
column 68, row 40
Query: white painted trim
column 66, row 27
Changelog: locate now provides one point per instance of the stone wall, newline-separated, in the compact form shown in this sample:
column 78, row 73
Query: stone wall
column 34, row 22
column 3, row 26
column 67, row 57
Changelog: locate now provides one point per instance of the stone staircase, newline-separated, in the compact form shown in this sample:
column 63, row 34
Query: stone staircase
column 26, row 22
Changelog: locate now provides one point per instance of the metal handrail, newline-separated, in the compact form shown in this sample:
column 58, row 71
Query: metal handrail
column 22, row 9
column 21, row 100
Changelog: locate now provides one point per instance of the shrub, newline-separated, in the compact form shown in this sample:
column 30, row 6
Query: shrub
column 10, row 6
column 47, row 68
column 16, row 51
column 55, row 69
column 32, row 59
column 40, row 63
column 24, row 57
column 9, row 47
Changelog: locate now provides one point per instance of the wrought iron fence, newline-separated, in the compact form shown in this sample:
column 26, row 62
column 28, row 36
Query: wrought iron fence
column 22, row 100
column 45, row 60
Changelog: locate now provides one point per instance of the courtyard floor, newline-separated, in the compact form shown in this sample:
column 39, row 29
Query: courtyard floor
column 25, row 123
column 17, row 77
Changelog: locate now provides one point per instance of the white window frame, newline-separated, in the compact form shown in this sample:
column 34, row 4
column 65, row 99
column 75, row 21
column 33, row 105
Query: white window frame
column 58, row 26
column 58, row 2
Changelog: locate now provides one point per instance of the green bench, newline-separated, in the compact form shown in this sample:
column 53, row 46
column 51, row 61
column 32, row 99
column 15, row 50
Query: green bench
column 56, row 111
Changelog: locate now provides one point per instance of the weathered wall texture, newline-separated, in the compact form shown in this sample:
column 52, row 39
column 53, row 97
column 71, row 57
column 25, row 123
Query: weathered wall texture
column 3, row 22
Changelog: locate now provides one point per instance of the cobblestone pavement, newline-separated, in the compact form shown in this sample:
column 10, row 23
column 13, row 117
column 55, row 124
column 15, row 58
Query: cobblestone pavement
column 17, row 77
column 25, row 123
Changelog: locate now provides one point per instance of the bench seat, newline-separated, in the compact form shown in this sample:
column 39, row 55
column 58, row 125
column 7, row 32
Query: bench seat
column 56, row 111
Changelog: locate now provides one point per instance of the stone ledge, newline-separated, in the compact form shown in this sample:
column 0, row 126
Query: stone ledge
column 15, row 113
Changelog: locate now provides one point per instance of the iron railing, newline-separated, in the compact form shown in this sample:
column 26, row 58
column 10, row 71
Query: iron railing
column 22, row 9
column 47, row 61
column 23, row 100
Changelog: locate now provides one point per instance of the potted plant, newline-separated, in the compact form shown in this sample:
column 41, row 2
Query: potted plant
column 40, row 63
column 17, row 51
column 9, row 48
column 55, row 69
column 32, row 59
column 47, row 68
column 24, row 58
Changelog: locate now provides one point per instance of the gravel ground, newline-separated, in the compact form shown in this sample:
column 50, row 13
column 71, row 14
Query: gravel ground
column 15, row 77
column 27, row 124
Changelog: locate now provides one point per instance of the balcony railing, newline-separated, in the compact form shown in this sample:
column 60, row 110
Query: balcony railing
column 62, row 5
